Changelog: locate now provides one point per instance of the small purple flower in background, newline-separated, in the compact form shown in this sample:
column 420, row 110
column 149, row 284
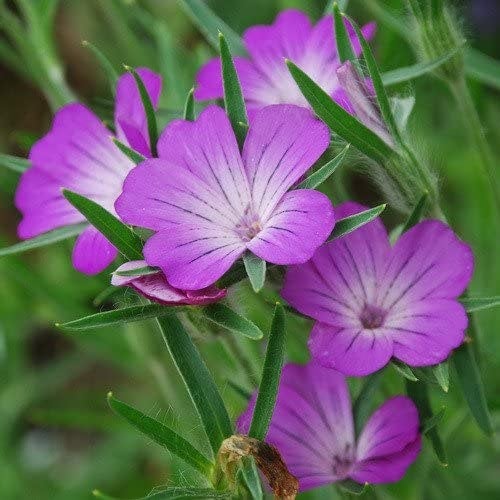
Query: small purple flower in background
column 155, row 287
column 372, row 302
column 312, row 427
column 209, row 203
column 78, row 154
column 264, row 76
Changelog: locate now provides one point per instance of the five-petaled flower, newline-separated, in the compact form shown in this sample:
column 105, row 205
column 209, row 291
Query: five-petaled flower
column 78, row 154
column 264, row 76
column 208, row 203
column 372, row 302
column 312, row 428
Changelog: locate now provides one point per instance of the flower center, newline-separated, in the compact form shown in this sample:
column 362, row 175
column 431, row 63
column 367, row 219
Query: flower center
column 342, row 464
column 372, row 317
column 249, row 225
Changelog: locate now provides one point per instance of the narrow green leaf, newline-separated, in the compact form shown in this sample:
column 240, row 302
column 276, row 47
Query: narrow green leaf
column 148, row 109
column 329, row 6
column 322, row 174
column 45, row 239
column 373, row 71
column 470, row 381
column 271, row 373
column 225, row 317
column 18, row 165
column 342, row 38
column 482, row 68
column 417, row 212
column 189, row 113
column 352, row 487
column 404, row 370
column 417, row 391
column 139, row 271
column 363, row 403
column 106, row 66
column 471, row 304
column 339, row 120
column 353, row 222
column 432, row 422
column 241, row 391
column 442, row 374
column 255, row 268
column 198, row 380
column 210, row 25
column 233, row 96
column 174, row 493
column 251, row 478
column 162, row 435
column 130, row 153
column 117, row 316
column 120, row 235
column 414, row 71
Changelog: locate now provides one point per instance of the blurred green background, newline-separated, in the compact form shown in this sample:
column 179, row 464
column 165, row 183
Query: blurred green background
column 58, row 438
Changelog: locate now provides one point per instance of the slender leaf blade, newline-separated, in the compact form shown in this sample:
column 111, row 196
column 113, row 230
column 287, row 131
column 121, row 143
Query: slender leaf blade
column 162, row 435
column 432, row 422
column 349, row 224
column 342, row 38
column 108, row 69
column 322, row 174
column 271, row 373
column 404, row 370
column 14, row 163
column 251, row 477
column 442, row 374
column 417, row 212
column 482, row 68
column 255, row 268
column 189, row 113
column 174, row 493
column 139, row 271
column 120, row 235
column 472, row 304
column 225, row 317
column 130, row 153
column 352, row 487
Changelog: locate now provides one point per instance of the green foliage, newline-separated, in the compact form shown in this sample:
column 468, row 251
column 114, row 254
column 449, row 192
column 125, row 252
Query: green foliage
column 349, row 224
column 255, row 268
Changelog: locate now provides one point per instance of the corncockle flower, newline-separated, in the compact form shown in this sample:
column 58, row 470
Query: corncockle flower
column 208, row 203
column 78, row 154
column 312, row 428
column 156, row 288
column 372, row 302
column 264, row 76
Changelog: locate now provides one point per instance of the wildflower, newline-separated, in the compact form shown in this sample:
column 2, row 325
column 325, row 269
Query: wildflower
column 78, row 154
column 312, row 428
column 372, row 302
column 155, row 287
column 208, row 203
column 264, row 76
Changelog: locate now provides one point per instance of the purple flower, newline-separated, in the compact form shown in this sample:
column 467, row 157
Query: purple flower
column 264, row 76
column 312, row 427
column 78, row 154
column 155, row 287
column 372, row 302
column 208, row 203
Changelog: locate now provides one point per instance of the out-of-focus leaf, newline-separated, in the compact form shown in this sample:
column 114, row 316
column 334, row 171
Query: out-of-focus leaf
column 120, row 235
column 329, row 6
column 322, row 174
column 129, row 152
column 483, row 68
column 174, row 493
column 45, row 239
column 162, row 435
column 210, row 25
column 271, row 373
column 353, row 222
column 417, row 212
column 255, row 268
column 233, row 96
column 106, row 294
column 352, row 487
column 404, row 370
column 339, row 120
column 432, row 422
column 342, row 38
column 363, row 403
column 189, row 113
column 442, row 374
column 198, row 380
column 401, row 109
column 106, row 66
column 232, row 321
column 18, row 165
column 472, row 304
column 246, row 395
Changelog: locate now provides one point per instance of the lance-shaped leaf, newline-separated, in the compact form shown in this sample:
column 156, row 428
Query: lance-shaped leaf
column 174, row 493
column 364, row 401
column 232, row 321
column 198, row 381
column 404, row 370
column 442, row 374
column 322, row 174
column 250, row 476
column 339, row 120
column 255, row 268
column 417, row 391
column 352, row 487
column 482, row 68
column 117, row 233
column 63, row 233
column 210, row 25
column 189, row 113
column 14, row 163
column 132, row 154
column 117, row 317
column 472, row 304
column 432, row 422
column 271, row 373
column 342, row 38
column 162, row 435
column 148, row 109
column 106, row 66
column 139, row 271
column 353, row 222
column 329, row 6
column 417, row 212
column 233, row 96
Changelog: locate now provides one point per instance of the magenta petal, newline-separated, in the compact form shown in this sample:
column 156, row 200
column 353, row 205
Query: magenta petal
column 349, row 349
column 300, row 223
column 156, row 288
column 92, row 252
column 130, row 117
column 209, row 81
